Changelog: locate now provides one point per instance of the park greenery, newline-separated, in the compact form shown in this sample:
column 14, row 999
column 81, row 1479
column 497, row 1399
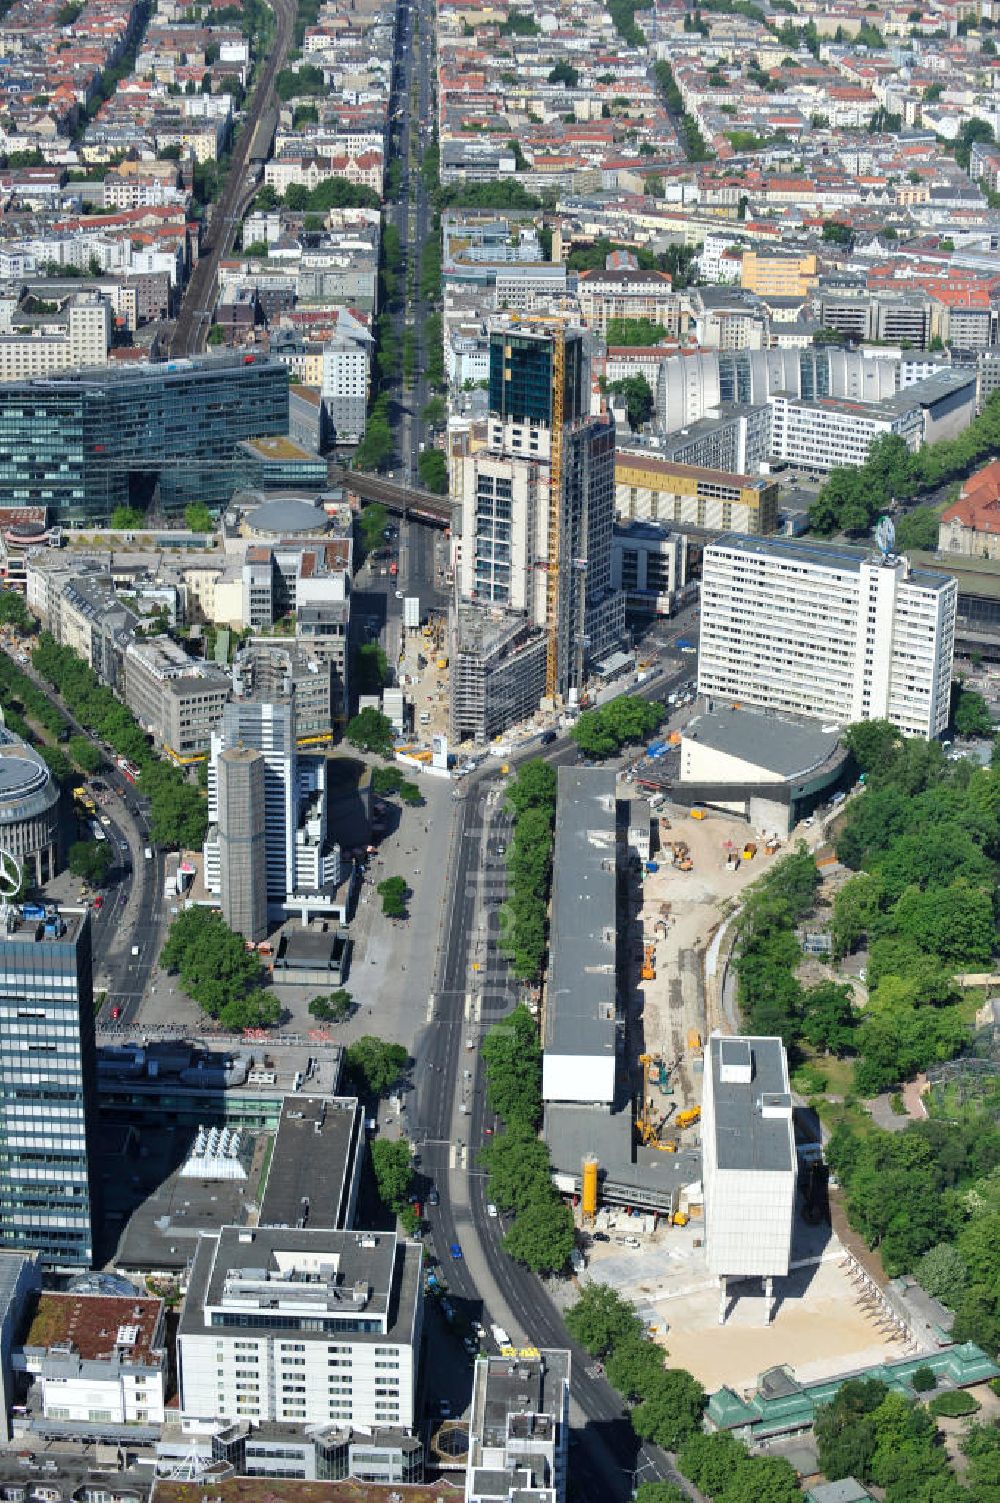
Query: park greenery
column 178, row 815
column 392, row 1162
column 517, row 1160
column 198, row 518
column 623, row 720
column 371, row 731
column 335, row 1008
column 393, row 891
column 886, row 1440
column 634, row 332
column 375, row 1064
column 218, row 971
column 90, row 860
column 853, row 496
column 531, row 797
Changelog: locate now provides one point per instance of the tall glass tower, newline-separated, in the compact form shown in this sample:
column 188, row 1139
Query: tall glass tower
column 48, row 1087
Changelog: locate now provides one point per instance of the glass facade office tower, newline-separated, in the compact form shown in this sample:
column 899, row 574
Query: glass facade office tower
column 48, row 1086
column 84, row 442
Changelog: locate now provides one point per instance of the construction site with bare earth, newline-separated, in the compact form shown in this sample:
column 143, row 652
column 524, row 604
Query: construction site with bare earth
column 827, row 1316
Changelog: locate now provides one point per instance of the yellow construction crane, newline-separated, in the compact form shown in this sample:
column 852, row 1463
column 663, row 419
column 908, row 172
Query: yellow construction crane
column 555, row 511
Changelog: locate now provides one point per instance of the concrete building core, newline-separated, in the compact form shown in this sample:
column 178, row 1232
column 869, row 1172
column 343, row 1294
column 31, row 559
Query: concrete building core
column 243, row 842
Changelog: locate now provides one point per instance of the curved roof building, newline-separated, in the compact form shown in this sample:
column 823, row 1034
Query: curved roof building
column 29, row 808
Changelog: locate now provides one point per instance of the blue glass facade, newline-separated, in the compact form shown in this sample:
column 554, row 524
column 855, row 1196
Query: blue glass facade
column 48, row 1083
column 521, row 376
column 85, row 442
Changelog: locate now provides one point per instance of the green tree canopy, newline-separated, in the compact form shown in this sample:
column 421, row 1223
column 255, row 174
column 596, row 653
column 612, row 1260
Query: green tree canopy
column 671, row 1409
column 602, row 1319
column 638, row 396
column 392, row 1162
column 371, row 731
column 971, row 714
column 198, row 518
column 90, row 860
column 393, row 891
column 377, row 1065
column 217, row 970
column 512, row 1058
column 542, row 1235
column 335, row 1008
column 634, row 332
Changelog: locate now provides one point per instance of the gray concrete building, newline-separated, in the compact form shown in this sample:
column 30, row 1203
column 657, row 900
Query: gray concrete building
column 176, row 699
column 497, row 672
column 243, row 841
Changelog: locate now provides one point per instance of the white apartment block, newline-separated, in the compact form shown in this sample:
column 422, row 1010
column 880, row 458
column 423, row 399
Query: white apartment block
column 820, row 435
column 81, row 335
column 300, row 1327
column 834, row 633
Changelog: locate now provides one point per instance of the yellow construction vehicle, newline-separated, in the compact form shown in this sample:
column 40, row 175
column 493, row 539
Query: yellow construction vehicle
column 694, row 1039
column 679, row 1218
column 689, row 1117
column 649, row 963
column 647, row 1123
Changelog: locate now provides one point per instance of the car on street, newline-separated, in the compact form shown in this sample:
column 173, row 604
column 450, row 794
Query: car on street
column 456, row 1252
column 547, row 738
column 491, row 1210
column 399, row 594
column 433, row 1197
column 116, row 1013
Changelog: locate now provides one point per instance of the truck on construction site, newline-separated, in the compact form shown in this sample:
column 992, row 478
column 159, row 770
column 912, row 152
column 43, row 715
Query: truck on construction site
column 681, row 856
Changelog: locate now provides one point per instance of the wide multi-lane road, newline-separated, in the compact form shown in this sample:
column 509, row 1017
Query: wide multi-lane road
column 195, row 316
column 607, row 1460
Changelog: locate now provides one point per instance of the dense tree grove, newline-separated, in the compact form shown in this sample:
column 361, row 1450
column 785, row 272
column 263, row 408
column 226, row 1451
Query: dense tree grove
column 218, row 971
column 517, row 1161
column 524, row 917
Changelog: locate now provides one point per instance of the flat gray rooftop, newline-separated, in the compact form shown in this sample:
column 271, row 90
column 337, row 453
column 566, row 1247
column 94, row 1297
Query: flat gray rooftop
column 366, row 1260
column 744, row 1137
column 313, row 1131
column 837, row 556
column 580, row 996
column 793, row 748
column 574, row 1132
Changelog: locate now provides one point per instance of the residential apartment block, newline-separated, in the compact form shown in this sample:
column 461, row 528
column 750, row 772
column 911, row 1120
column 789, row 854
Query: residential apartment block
column 79, row 335
column 834, row 633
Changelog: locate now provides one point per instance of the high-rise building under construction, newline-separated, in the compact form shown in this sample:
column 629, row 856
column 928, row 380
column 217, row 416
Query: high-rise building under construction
column 535, row 601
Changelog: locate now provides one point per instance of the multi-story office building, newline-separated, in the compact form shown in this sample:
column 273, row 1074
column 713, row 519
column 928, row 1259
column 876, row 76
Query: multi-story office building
column 240, row 773
column 176, row 699
column 649, row 566
column 301, row 1327
column 648, row 488
column 834, row 633
column 86, row 441
column 538, row 502
column 304, row 865
column 346, row 380
column 286, row 673
column 48, row 1078
column 79, row 335
column 519, row 1428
